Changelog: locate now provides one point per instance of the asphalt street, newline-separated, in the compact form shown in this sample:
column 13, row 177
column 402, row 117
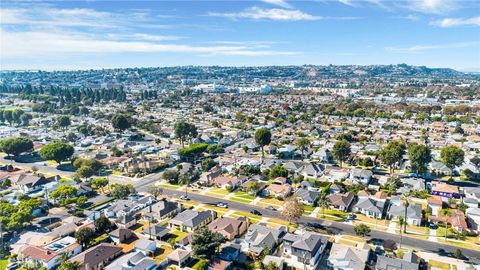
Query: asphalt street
column 340, row 228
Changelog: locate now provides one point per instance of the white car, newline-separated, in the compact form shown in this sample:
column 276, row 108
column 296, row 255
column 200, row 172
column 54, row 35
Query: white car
column 223, row 205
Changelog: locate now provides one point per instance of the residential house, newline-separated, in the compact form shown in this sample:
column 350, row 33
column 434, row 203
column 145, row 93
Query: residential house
column 179, row 257
column 126, row 221
column 444, row 190
column 341, row 201
column 434, row 204
column 97, row 257
column 360, row 176
column 120, row 208
column 473, row 218
column 307, row 194
column 388, row 263
column 30, row 183
column 156, row 231
column 411, row 183
column 230, row 228
column 311, row 170
column 259, row 237
column 229, row 182
column 458, row 221
column 371, row 206
column 190, row 220
column 147, row 247
column 230, row 251
column 132, row 261
column 207, row 178
column 322, row 155
column 347, row 257
column 253, row 187
column 304, row 251
column 397, row 209
column 121, row 235
column 276, row 190
column 161, row 210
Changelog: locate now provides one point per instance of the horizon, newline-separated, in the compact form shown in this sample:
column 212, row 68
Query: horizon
column 225, row 66
column 83, row 35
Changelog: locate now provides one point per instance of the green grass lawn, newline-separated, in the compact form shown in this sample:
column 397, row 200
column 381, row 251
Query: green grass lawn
column 3, row 264
column 243, row 195
column 239, row 199
column 176, row 234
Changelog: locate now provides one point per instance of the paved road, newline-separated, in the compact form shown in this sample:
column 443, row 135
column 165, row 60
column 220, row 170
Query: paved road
column 341, row 228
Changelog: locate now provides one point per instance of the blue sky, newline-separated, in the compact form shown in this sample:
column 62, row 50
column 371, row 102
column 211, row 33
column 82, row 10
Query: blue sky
column 61, row 35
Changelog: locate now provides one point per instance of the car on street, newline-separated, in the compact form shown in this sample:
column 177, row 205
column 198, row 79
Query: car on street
column 185, row 198
column 255, row 212
column 271, row 208
column 222, row 205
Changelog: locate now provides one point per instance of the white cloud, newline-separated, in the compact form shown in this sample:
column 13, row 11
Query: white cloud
column 280, row 3
column 142, row 36
column 451, row 22
column 410, row 17
column 423, row 48
column 275, row 14
column 33, row 44
column 432, row 6
column 347, row 2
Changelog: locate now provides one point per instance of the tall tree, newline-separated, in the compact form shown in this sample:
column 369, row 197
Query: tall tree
column 16, row 146
column 392, row 154
column 303, row 144
column 205, row 243
column 120, row 122
column 341, row 151
column 420, row 156
column 63, row 121
column 84, row 236
column 263, row 137
column 184, row 130
column 56, row 151
column 292, row 209
column 452, row 157
column 156, row 191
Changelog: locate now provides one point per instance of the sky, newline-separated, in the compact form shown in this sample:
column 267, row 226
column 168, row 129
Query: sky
column 71, row 35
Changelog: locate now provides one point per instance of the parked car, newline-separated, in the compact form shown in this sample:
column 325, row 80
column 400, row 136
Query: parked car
column 255, row 212
column 185, row 198
column 433, row 226
column 271, row 208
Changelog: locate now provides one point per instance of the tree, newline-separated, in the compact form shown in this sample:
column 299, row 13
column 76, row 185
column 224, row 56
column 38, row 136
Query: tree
column 94, row 164
column 205, row 243
column 323, row 202
column 278, row 171
column 16, row 146
column 156, row 191
column 303, row 144
column 292, row 209
column 25, row 118
column 208, row 163
column 361, row 230
column 56, row 151
column 193, row 151
column 99, row 183
column 401, row 222
column 68, row 265
column 84, row 236
column 420, row 156
column 263, row 137
column 184, row 130
column 63, row 194
column 452, row 157
column 171, row 175
column 85, row 172
column 102, row 224
column 341, row 151
column 120, row 122
column 63, row 121
column 271, row 266
column 392, row 154
column 120, row 191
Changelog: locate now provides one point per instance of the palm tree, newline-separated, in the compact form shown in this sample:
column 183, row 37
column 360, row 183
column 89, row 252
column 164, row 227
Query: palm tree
column 323, row 202
column 446, row 212
column 405, row 198
column 401, row 221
